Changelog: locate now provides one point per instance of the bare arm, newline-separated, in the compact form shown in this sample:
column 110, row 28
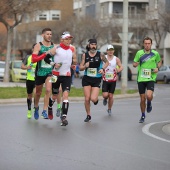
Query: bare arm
column 74, row 57
column 119, row 63
column 106, row 63
column 135, row 64
column 83, row 66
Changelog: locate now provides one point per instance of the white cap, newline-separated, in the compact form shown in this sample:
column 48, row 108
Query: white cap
column 66, row 35
column 110, row 47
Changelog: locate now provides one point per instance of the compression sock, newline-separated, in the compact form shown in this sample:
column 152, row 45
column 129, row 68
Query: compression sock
column 51, row 102
column 29, row 102
column 65, row 106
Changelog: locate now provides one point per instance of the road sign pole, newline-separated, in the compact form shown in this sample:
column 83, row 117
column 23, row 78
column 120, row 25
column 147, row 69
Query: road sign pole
column 124, row 47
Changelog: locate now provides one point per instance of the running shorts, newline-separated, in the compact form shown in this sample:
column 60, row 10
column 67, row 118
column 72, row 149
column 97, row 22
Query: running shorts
column 142, row 86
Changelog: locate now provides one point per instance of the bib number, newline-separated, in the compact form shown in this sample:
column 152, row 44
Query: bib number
column 92, row 72
column 109, row 76
column 53, row 79
column 146, row 73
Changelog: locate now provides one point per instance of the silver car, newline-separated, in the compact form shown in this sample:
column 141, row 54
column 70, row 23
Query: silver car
column 163, row 74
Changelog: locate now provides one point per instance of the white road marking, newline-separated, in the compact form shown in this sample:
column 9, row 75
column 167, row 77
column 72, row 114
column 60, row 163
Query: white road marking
column 146, row 128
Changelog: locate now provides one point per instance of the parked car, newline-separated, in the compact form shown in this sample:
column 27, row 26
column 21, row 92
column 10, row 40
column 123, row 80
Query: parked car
column 129, row 74
column 164, row 74
column 2, row 69
column 16, row 73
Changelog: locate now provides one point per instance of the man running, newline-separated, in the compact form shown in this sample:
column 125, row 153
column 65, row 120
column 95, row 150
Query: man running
column 30, row 82
column 110, row 77
column 63, row 59
column 43, row 71
column 148, row 62
column 92, row 64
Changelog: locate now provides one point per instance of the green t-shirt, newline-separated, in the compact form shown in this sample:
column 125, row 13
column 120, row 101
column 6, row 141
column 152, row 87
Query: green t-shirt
column 147, row 62
column 44, row 68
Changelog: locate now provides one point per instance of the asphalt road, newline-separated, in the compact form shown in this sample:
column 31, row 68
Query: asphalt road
column 116, row 142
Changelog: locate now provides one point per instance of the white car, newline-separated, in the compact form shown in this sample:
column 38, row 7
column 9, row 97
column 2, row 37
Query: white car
column 2, row 69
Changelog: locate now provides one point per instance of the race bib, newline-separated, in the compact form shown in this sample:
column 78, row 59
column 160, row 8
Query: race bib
column 146, row 73
column 92, row 72
column 109, row 76
column 53, row 79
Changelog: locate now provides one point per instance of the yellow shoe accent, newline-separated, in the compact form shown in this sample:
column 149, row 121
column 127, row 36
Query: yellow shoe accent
column 29, row 114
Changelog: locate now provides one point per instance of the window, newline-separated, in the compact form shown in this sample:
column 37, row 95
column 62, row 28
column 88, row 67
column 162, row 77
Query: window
column 43, row 17
column 49, row 15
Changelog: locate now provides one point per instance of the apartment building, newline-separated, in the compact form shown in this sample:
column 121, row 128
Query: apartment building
column 143, row 15
column 29, row 31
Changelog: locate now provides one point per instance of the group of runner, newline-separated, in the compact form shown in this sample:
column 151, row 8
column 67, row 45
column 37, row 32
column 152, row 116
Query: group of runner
column 50, row 65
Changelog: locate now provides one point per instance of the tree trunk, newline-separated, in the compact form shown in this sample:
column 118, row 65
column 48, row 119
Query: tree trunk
column 8, row 54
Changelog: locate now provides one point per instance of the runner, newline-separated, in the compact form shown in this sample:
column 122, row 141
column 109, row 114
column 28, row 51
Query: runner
column 110, row 78
column 43, row 71
column 92, row 64
column 64, row 56
column 148, row 62
column 30, row 82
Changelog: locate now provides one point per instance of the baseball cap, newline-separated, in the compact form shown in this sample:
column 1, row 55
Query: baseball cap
column 110, row 47
column 66, row 35
column 91, row 41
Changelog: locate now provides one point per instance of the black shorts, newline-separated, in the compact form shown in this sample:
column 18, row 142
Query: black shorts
column 109, row 86
column 91, row 81
column 39, row 80
column 142, row 86
column 30, row 85
column 64, row 81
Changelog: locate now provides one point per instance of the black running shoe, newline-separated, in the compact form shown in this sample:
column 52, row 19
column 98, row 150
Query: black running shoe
column 64, row 121
column 104, row 101
column 149, row 108
column 88, row 118
column 142, row 119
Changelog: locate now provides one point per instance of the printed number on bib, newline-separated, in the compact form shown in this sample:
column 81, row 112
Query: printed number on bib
column 92, row 72
column 146, row 73
column 53, row 79
column 109, row 76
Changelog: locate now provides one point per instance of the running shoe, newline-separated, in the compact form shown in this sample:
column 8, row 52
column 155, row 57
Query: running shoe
column 58, row 112
column 109, row 112
column 50, row 113
column 149, row 108
column 44, row 114
column 29, row 114
column 104, row 101
column 142, row 119
column 64, row 121
column 88, row 118
column 95, row 103
column 36, row 113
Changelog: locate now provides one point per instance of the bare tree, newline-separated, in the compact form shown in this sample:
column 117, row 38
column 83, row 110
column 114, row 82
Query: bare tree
column 11, row 14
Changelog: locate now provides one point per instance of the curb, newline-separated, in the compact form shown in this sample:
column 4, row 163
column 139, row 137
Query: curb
column 72, row 99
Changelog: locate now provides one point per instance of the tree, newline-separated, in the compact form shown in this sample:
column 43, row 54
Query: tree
column 11, row 14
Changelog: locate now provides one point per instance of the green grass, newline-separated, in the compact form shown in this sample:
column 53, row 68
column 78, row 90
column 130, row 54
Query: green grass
column 20, row 92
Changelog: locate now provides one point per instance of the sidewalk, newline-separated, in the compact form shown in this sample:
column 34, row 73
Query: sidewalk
column 72, row 99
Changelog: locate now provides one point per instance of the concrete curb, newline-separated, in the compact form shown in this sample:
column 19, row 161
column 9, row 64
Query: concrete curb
column 72, row 99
